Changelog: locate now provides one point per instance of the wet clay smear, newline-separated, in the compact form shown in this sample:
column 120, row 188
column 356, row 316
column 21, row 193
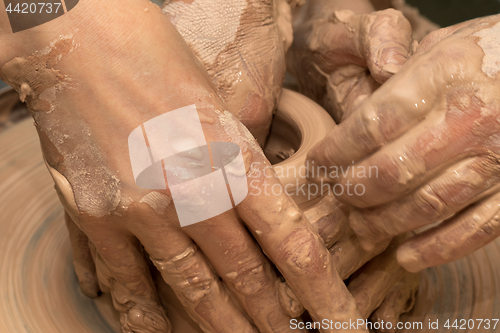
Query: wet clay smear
column 34, row 77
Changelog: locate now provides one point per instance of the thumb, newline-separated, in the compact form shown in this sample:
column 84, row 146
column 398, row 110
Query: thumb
column 387, row 43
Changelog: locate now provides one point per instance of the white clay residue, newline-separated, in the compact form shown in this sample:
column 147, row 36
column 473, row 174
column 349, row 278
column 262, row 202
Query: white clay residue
column 214, row 29
column 164, row 264
column 159, row 202
column 64, row 189
column 205, row 119
column 284, row 22
column 34, row 75
column 97, row 194
column 237, row 132
column 490, row 43
column 409, row 167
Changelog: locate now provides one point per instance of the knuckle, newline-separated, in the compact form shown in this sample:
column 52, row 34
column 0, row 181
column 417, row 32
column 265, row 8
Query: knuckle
column 188, row 274
column 430, row 203
column 492, row 226
column 250, row 273
column 289, row 300
column 158, row 201
column 328, row 228
column 198, row 287
column 368, row 125
column 251, row 278
column 302, row 253
column 390, row 18
column 391, row 14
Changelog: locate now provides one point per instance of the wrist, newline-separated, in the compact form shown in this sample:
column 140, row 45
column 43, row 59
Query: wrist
column 93, row 41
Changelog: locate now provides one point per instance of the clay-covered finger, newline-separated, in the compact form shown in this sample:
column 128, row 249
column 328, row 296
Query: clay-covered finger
column 380, row 40
column 437, row 35
column 289, row 300
column 456, row 188
column 398, row 105
column 374, row 281
column 289, row 240
column 185, row 268
column 330, row 219
column 243, row 267
column 349, row 256
column 453, row 239
column 122, row 269
column 82, row 259
column 398, row 301
column 387, row 44
column 439, row 142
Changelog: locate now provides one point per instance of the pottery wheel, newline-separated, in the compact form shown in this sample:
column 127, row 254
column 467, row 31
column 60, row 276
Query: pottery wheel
column 40, row 293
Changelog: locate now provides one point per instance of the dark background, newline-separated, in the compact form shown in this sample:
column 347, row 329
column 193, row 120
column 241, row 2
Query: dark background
column 448, row 12
column 445, row 12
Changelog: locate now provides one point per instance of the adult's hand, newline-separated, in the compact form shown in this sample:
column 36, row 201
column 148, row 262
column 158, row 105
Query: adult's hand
column 380, row 287
column 343, row 50
column 242, row 45
column 96, row 78
column 424, row 148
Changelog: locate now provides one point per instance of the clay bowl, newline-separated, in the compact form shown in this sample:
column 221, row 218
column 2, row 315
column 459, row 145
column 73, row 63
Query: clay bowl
column 38, row 286
column 297, row 126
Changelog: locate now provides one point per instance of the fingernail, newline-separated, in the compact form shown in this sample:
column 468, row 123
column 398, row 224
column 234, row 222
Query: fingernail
column 391, row 68
column 146, row 318
column 414, row 46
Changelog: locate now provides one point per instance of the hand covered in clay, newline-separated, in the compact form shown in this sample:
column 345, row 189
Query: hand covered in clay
column 424, row 148
column 94, row 80
column 380, row 286
column 242, row 45
column 342, row 51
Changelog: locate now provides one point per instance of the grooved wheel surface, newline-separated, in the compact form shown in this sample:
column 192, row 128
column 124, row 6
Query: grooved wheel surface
column 467, row 290
column 40, row 293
